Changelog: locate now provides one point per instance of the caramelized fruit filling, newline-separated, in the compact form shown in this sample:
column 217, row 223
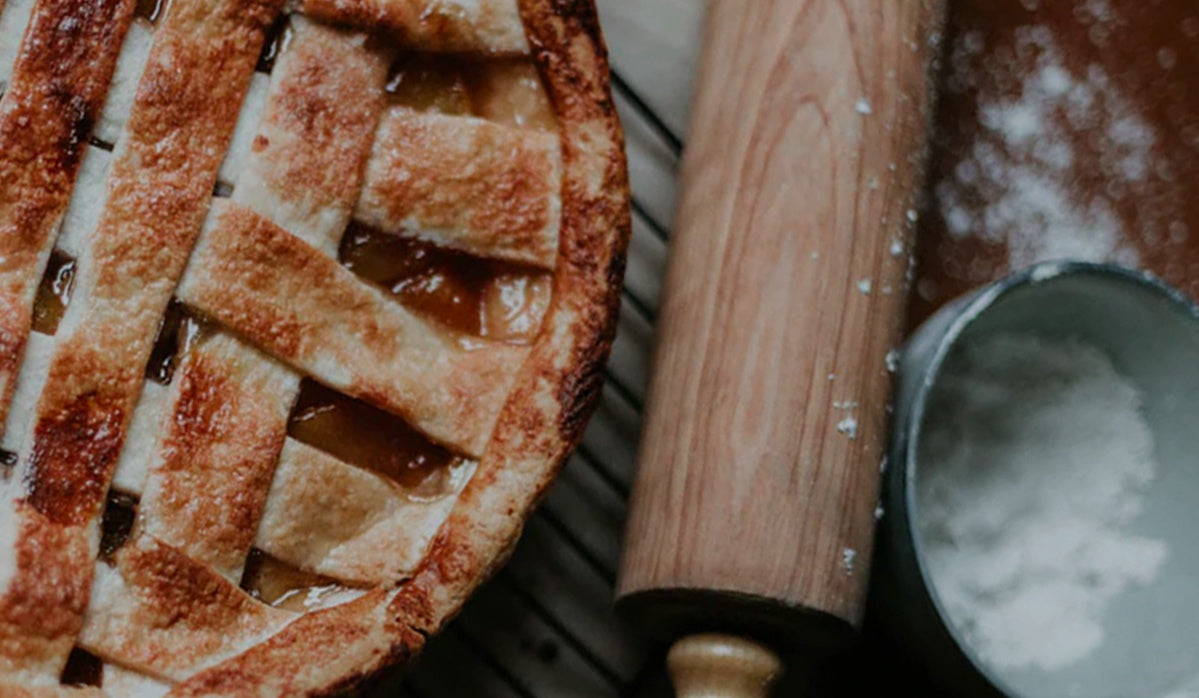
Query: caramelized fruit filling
column 83, row 669
column 150, row 10
column 178, row 329
column 506, row 91
column 281, row 585
column 429, row 83
column 509, row 91
column 484, row 298
column 53, row 293
column 365, row 436
column 277, row 39
column 119, row 513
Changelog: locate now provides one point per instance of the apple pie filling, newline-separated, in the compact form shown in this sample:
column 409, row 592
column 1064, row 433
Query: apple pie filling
column 53, row 293
column 472, row 296
column 284, row 586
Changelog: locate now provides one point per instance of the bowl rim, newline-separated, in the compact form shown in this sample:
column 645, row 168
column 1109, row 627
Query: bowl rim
column 965, row 314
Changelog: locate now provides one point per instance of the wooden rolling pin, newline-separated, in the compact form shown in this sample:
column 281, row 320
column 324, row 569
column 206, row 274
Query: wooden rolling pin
column 755, row 503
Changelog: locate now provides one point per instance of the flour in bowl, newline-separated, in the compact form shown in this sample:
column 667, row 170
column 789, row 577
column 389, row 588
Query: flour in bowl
column 1034, row 462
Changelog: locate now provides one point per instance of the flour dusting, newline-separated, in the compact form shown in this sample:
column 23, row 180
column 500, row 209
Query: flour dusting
column 1034, row 461
column 1017, row 183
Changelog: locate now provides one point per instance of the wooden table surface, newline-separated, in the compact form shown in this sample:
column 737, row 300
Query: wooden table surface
column 1063, row 127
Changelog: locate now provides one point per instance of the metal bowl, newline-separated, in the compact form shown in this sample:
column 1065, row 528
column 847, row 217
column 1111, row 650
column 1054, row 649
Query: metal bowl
column 1151, row 334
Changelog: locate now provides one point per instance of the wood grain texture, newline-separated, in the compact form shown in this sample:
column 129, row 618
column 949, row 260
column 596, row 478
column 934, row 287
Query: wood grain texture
column 784, row 292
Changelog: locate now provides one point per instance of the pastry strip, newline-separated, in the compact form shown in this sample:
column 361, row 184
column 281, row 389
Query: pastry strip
column 285, row 296
column 87, row 202
column 121, row 93
column 72, row 45
column 164, row 614
column 140, row 451
column 304, row 169
column 29, row 384
column 247, row 127
column 119, row 681
column 230, row 403
column 346, row 522
column 216, row 454
column 158, row 191
column 488, row 189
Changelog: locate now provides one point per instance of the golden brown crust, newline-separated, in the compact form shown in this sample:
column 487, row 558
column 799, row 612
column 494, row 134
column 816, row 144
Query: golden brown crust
column 307, row 157
column 218, row 452
column 488, row 189
column 345, row 522
column 559, row 385
column 54, row 97
column 166, row 615
column 162, row 612
column 42, row 608
column 227, row 414
column 545, row 414
column 303, row 307
column 158, row 192
column 318, row 654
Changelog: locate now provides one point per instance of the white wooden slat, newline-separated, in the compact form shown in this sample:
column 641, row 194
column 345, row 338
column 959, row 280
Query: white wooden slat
column 447, row 668
column 646, row 263
column 504, row 626
column 591, row 513
column 612, row 436
column 541, row 566
column 652, row 163
column 628, row 366
column 653, row 45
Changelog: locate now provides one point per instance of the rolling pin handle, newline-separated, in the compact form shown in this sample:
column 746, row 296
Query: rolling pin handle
column 722, row 666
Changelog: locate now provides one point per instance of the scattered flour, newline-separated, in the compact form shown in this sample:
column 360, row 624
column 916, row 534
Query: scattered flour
column 1017, row 183
column 1034, row 460
column 849, row 427
column 847, row 557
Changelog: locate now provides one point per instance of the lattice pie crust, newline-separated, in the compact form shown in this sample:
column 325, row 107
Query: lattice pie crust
column 301, row 307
